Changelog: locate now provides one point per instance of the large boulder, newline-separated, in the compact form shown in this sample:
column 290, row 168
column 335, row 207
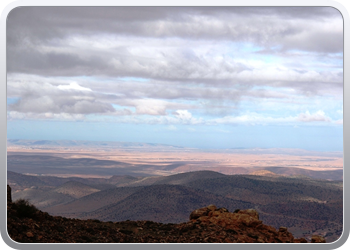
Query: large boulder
column 252, row 212
column 204, row 211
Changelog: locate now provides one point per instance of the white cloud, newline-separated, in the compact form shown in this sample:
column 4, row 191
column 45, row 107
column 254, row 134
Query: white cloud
column 150, row 107
column 14, row 115
column 39, row 96
column 73, row 86
column 183, row 115
column 252, row 118
column 318, row 116
column 339, row 122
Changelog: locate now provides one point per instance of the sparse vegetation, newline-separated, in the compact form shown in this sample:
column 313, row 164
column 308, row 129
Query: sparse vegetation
column 301, row 204
column 24, row 208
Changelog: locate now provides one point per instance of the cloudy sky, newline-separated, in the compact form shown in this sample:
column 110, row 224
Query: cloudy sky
column 205, row 77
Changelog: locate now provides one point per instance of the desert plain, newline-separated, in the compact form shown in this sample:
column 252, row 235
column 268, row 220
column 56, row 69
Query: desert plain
column 147, row 160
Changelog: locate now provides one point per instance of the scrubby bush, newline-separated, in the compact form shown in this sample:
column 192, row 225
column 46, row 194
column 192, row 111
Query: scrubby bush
column 24, row 208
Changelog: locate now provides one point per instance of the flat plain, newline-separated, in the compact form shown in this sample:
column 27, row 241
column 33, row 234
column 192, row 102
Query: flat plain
column 95, row 161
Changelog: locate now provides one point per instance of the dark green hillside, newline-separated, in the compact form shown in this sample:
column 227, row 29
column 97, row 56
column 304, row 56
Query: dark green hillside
column 163, row 203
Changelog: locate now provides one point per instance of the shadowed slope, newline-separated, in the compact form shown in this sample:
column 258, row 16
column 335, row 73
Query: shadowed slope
column 162, row 203
column 183, row 178
column 93, row 201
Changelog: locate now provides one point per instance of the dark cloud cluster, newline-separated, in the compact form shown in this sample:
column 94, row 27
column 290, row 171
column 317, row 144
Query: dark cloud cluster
column 31, row 29
column 202, row 59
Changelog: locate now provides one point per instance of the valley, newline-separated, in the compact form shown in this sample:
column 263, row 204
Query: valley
column 298, row 189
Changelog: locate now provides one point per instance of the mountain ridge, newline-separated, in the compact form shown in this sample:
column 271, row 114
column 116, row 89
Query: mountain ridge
column 27, row 224
column 270, row 195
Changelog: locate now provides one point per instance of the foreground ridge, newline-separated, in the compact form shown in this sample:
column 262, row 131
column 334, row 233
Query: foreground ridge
column 25, row 223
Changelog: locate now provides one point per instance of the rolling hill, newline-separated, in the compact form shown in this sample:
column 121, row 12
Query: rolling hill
column 75, row 189
column 92, row 202
column 162, row 203
column 304, row 204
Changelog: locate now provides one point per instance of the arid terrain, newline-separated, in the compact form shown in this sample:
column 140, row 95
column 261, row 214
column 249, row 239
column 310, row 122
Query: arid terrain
column 298, row 189
column 27, row 224
column 108, row 159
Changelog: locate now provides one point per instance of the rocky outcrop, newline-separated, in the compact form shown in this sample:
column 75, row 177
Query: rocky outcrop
column 244, row 226
column 207, row 225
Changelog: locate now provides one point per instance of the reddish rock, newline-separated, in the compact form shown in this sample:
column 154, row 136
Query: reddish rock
column 317, row 239
column 251, row 212
column 211, row 207
column 282, row 229
column 199, row 213
column 29, row 234
column 301, row 240
column 246, row 225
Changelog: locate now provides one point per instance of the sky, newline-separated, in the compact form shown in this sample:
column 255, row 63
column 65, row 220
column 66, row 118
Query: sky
column 203, row 77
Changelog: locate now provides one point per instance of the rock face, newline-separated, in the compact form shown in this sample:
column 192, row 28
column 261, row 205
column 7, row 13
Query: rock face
column 206, row 225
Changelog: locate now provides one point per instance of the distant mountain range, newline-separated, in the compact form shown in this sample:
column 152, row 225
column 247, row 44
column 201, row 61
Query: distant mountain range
column 88, row 144
column 45, row 164
column 280, row 200
column 159, row 146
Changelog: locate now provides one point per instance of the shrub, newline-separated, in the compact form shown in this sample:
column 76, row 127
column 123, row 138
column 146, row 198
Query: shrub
column 24, row 208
